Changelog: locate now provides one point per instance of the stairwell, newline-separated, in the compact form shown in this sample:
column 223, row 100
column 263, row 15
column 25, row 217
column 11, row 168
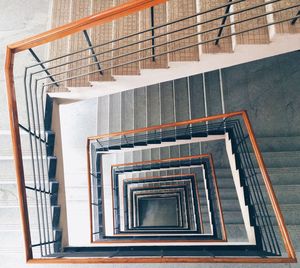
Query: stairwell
column 150, row 105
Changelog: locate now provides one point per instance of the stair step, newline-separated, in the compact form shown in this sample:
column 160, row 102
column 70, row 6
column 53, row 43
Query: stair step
column 10, row 216
column 280, row 159
column 290, row 214
column 115, row 113
column 77, row 42
column 100, row 34
column 286, row 194
column 271, row 159
column 233, row 217
column 286, row 27
column 50, row 139
column 236, row 232
column 59, row 47
column 181, row 101
column 259, row 36
column 294, row 231
column 279, row 144
column 179, row 9
column 6, row 144
column 140, row 113
column 123, row 27
column 15, row 238
column 167, row 103
column 127, row 111
column 56, row 216
column 197, row 101
column 8, row 194
column 160, row 17
column 52, row 163
column 225, row 44
column 288, row 175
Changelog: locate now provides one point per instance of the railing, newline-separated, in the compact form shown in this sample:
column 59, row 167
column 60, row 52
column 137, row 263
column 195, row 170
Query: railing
column 35, row 86
column 102, row 58
column 35, row 107
column 261, row 215
column 205, row 127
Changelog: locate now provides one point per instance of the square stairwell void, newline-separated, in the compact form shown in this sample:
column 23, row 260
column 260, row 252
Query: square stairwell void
column 161, row 188
column 158, row 212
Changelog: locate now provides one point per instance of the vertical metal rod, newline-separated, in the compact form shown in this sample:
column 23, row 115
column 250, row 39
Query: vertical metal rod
column 223, row 22
column 293, row 22
column 42, row 152
column 88, row 40
column 47, row 165
column 43, row 66
column 152, row 33
column 32, row 159
column 37, row 161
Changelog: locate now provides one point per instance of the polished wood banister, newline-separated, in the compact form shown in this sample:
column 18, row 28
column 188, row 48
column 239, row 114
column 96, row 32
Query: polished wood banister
column 164, row 260
column 84, row 24
column 17, row 151
column 168, row 125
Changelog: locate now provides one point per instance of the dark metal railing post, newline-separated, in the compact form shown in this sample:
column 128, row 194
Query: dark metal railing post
column 223, row 22
column 152, row 33
column 91, row 48
column 293, row 22
column 43, row 66
column 32, row 134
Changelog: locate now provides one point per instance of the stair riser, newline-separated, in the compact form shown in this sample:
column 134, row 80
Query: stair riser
column 285, row 194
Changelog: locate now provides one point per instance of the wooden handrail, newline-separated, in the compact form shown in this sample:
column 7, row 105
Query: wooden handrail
column 164, row 260
column 168, row 125
column 17, row 151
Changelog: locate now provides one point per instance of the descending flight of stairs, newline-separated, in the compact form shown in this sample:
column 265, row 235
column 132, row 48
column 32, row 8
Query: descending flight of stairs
column 263, row 42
